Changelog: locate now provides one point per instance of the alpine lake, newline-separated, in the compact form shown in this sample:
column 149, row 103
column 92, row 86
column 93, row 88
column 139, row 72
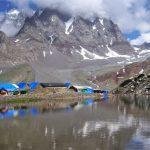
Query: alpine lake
column 116, row 123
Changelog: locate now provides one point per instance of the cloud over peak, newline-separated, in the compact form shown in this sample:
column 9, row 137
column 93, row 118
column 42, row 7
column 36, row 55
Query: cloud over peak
column 130, row 15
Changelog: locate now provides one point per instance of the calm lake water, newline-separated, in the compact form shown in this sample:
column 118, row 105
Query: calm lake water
column 113, row 124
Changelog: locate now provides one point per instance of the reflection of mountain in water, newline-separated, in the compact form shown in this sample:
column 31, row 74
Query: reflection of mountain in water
column 97, row 126
column 141, row 102
column 112, row 127
column 141, row 138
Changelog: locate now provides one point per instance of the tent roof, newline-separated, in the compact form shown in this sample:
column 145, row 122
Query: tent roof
column 10, row 87
column 82, row 87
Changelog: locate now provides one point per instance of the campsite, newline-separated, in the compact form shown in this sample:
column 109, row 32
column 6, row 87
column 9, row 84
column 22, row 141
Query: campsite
column 24, row 92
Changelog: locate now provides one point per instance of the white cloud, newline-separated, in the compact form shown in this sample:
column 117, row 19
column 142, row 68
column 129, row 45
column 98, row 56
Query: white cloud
column 145, row 37
column 144, row 26
column 24, row 6
column 128, row 14
column 9, row 29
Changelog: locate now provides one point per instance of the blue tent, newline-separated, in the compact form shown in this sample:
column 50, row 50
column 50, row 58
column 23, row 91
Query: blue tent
column 9, row 87
column 22, row 85
column 33, row 85
column 88, row 90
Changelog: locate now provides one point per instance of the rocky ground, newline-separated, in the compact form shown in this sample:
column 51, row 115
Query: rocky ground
column 139, row 84
column 112, row 79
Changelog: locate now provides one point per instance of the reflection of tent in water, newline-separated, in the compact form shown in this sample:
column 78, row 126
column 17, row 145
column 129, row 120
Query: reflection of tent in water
column 1, row 116
column 22, row 112
column 9, row 87
column 78, row 106
column 10, row 113
column 85, row 102
column 88, row 101
column 34, row 111
column 82, row 89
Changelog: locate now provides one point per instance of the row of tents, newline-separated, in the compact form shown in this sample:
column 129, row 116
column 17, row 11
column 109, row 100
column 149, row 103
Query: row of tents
column 23, row 87
column 6, row 88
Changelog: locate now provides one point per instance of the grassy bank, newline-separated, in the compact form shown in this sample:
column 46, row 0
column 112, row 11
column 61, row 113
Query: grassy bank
column 52, row 98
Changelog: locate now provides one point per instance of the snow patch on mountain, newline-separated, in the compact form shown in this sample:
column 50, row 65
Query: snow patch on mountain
column 50, row 52
column 94, row 27
column 17, row 40
column 111, row 42
column 136, row 48
column 89, row 55
column 69, row 26
column 145, row 51
column 141, row 71
column 44, row 54
column 101, row 21
column 112, row 53
column 52, row 39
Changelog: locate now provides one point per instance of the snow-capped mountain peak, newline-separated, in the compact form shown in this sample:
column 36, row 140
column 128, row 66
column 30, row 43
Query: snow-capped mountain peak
column 51, row 38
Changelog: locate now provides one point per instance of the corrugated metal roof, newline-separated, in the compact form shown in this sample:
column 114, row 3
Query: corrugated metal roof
column 82, row 87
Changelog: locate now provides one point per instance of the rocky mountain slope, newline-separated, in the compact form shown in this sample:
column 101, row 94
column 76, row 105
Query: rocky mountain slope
column 143, row 51
column 55, row 43
column 112, row 79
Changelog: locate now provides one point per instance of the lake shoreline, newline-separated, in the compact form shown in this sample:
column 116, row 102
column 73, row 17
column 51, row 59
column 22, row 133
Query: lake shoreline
column 53, row 100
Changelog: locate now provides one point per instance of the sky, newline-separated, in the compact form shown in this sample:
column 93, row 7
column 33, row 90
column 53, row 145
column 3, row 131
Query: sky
column 132, row 16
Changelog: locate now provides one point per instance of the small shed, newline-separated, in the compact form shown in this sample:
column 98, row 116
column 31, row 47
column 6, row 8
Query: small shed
column 82, row 89
column 47, row 85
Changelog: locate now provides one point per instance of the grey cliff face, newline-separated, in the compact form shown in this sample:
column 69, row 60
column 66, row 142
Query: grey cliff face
column 51, row 31
column 53, row 40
